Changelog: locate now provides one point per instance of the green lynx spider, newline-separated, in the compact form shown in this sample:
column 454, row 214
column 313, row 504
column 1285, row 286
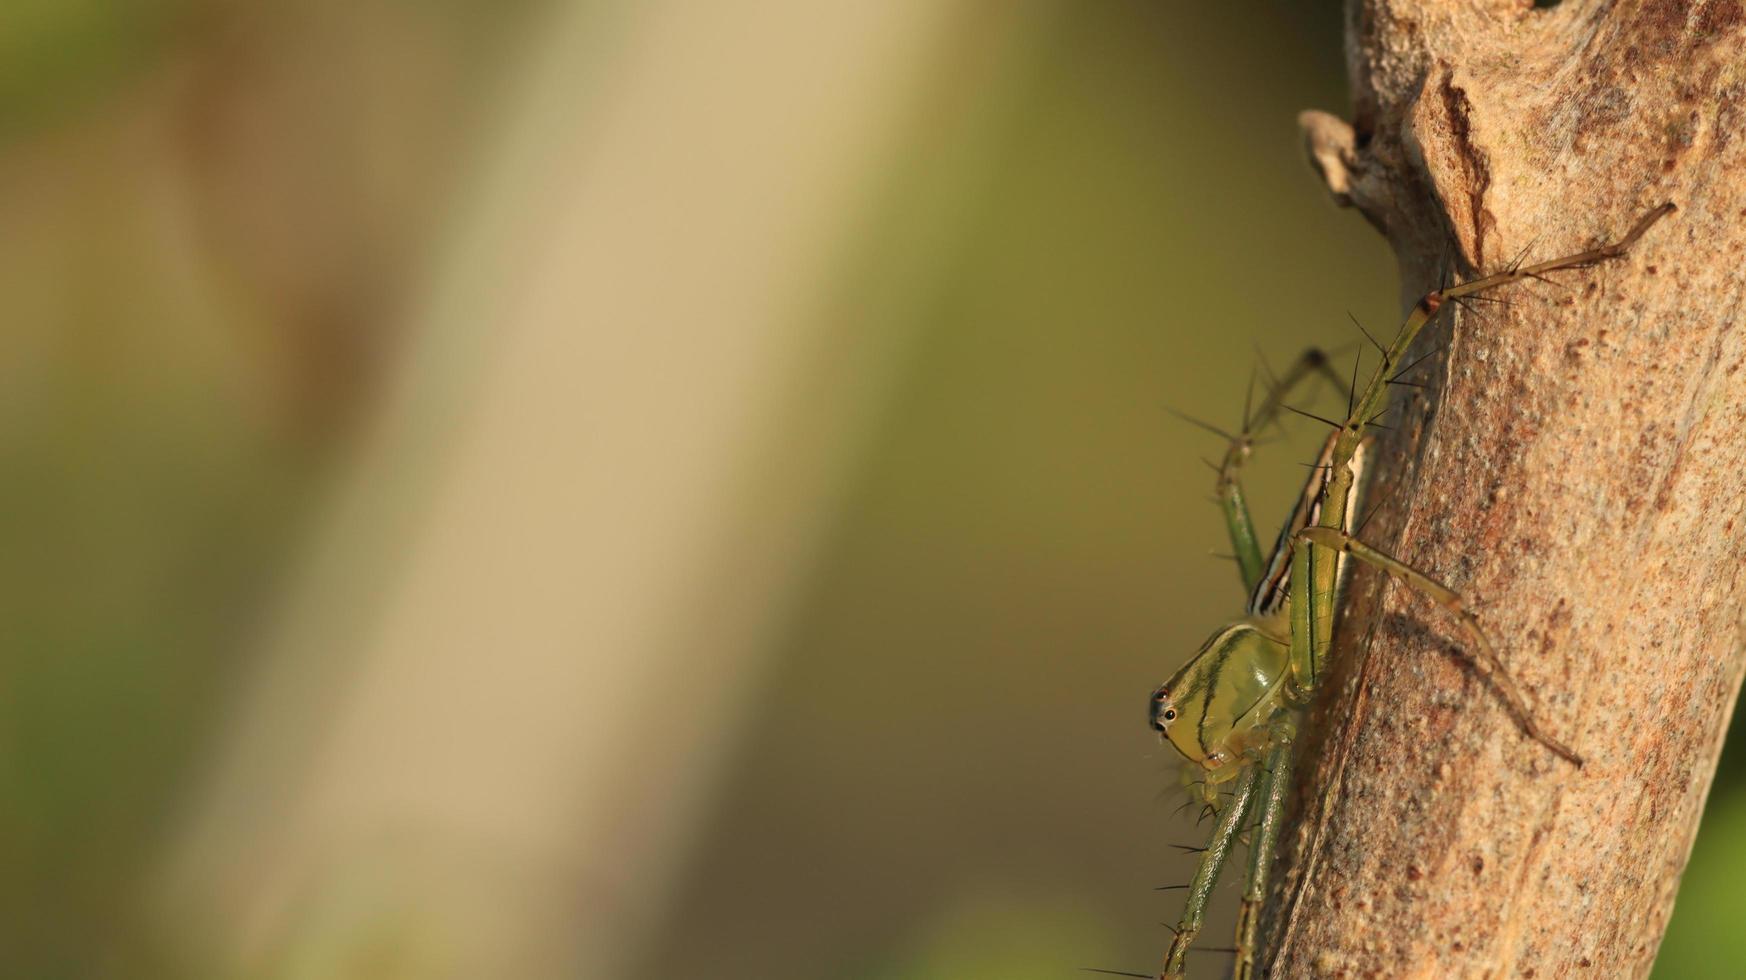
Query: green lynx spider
column 1233, row 710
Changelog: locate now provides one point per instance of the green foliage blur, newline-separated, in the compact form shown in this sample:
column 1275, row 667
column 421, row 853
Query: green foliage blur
column 949, row 776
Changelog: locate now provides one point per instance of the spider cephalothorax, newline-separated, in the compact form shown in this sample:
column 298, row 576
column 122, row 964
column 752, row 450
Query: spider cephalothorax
column 1217, row 707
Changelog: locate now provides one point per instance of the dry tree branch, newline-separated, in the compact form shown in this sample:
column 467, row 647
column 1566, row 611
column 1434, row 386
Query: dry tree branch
column 1575, row 468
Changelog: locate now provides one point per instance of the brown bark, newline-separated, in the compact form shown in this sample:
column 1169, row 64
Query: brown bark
column 1574, row 467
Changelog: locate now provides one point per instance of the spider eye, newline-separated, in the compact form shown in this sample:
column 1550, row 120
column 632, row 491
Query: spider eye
column 1169, row 714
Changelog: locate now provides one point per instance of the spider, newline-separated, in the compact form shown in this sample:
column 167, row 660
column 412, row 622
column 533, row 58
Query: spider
column 1234, row 710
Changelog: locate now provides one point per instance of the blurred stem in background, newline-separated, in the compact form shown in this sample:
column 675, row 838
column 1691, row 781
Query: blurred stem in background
column 498, row 773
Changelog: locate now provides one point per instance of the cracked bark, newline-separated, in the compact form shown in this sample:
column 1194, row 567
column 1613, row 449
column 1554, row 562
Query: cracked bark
column 1573, row 467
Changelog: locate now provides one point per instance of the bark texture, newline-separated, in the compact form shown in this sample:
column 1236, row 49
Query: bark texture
column 1576, row 467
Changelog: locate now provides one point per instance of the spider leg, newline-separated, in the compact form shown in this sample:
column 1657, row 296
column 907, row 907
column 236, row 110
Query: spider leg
column 1212, row 861
column 1228, row 490
column 1275, row 784
column 1481, row 653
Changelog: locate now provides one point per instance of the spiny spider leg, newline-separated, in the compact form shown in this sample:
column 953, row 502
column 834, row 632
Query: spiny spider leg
column 1324, row 582
column 1229, row 490
column 1483, row 656
column 1224, row 838
column 1275, row 783
column 1375, row 393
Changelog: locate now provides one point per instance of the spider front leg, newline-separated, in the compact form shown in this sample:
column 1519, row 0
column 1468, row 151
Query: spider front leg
column 1483, row 656
column 1368, row 405
column 1212, row 861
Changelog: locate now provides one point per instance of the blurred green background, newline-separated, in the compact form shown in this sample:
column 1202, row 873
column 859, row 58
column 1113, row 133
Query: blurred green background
column 220, row 219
